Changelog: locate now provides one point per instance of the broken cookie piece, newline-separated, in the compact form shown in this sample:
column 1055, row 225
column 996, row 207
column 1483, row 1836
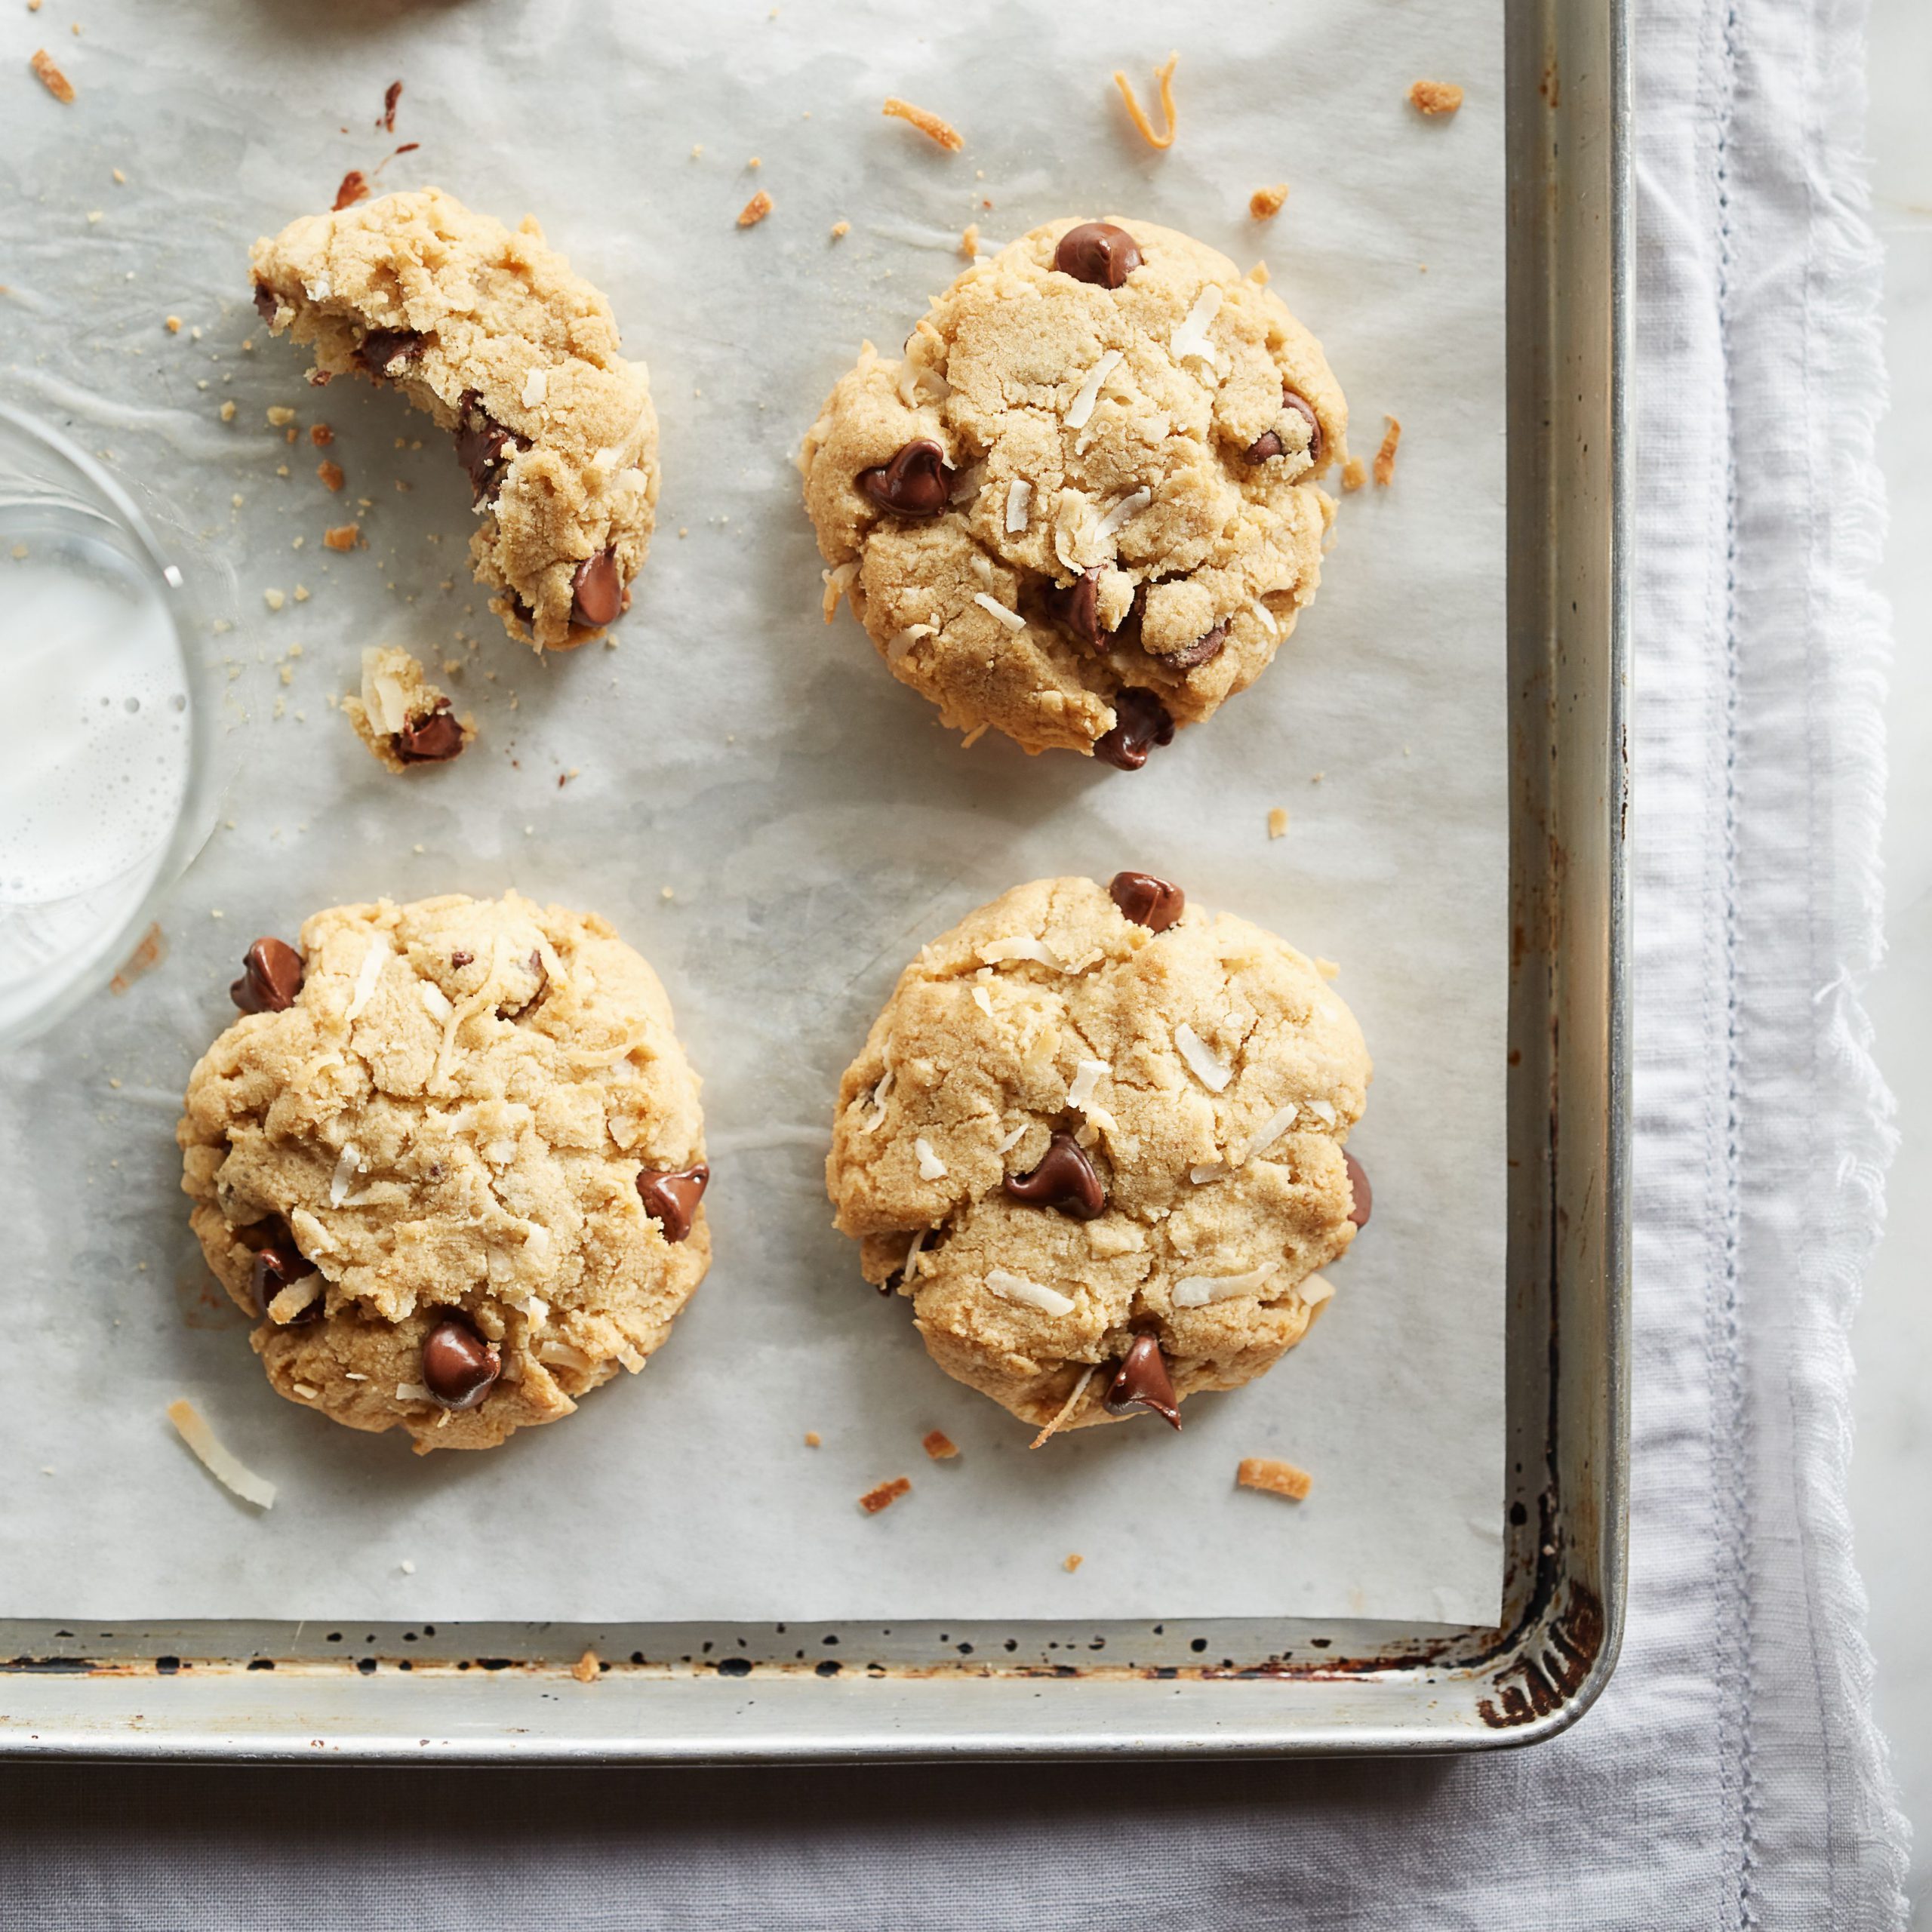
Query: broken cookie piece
column 402, row 717
column 491, row 333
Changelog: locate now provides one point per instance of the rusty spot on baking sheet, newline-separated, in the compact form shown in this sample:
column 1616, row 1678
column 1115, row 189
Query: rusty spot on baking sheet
column 145, row 957
column 1533, row 1685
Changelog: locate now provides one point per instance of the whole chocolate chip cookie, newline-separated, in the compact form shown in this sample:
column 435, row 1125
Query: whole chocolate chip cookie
column 1096, row 1138
column 451, row 1162
column 1083, row 509
column 492, row 333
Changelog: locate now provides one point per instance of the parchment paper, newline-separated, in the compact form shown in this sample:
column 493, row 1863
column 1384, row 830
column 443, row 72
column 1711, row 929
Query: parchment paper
column 755, row 803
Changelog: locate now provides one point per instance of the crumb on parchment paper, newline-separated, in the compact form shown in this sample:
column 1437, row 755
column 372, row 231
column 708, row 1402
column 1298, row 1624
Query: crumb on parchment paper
column 1073, row 1562
column 1277, row 823
column 840, row 229
column 1277, row 1478
column 51, row 78
column 813, row 1438
column 884, row 1495
column 1265, row 203
column 928, row 124
column 1436, row 96
column 1354, row 474
column 756, row 210
column 585, row 1670
column 331, row 474
column 969, row 241
column 1385, row 457
column 321, row 434
column 343, row 537
column 1165, row 73
column 939, row 1446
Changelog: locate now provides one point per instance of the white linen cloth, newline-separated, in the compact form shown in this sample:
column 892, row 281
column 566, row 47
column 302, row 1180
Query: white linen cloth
column 1731, row 1777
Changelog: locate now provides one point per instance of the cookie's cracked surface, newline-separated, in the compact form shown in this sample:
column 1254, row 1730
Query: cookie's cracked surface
column 1084, row 508
column 450, row 1161
column 1068, row 1129
column 492, row 334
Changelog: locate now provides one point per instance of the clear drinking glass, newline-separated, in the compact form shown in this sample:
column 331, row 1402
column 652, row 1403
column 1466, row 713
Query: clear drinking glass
column 106, row 790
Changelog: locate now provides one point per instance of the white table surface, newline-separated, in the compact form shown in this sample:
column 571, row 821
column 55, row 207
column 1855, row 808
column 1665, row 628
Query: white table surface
column 1891, row 1474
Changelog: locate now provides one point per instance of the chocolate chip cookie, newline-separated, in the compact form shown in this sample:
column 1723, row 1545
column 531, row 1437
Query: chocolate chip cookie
column 492, row 333
column 452, row 1163
column 1096, row 1138
column 1083, row 509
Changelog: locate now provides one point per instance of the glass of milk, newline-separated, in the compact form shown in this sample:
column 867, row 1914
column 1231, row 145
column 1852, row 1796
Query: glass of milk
column 105, row 730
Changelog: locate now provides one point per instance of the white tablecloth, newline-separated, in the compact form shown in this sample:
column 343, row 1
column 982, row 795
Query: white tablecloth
column 1731, row 1777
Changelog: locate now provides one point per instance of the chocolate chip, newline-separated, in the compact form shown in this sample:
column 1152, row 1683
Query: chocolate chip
column 266, row 302
column 670, row 1199
column 459, row 960
column 1077, row 605
column 458, row 1367
column 483, row 446
column 1142, row 1380
column 1302, row 406
column 278, row 1262
column 1264, row 445
column 1146, row 900
column 433, row 739
column 271, row 977
column 1098, row 252
column 1202, row 650
column 916, row 482
column 597, row 592
column 1143, row 723
column 381, row 349
column 1065, row 1179
column 1364, row 1195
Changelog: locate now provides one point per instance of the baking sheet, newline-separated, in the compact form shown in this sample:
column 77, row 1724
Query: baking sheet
column 758, row 806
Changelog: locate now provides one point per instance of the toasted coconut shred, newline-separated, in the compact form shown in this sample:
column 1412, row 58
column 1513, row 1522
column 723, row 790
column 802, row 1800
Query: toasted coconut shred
column 928, row 124
column 1277, row 1477
column 1067, row 1408
column 220, row 1463
column 1385, row 457
column 1164, row 75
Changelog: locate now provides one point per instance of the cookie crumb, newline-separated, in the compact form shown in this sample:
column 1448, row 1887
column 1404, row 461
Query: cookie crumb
column 1144, row 127
column 1277, row 1477
column 884, row 1495
column 274, row 599
column 840, row 229
column 321, row 434
column 1073, row 1562
column 1435, row 97
column 222, row 1463
column 51, row 78
column 343, row 537
column 1353, row 475
column 755, row 211
column 145, row 957
column 1265, row 203
column 812, row 1438
column 939, row 1446
column 173, row 324
column 402, row 718
column 1277, row 823
column 930, row 125
column 280, row 415
column 969, row 241
column 585, row 1669
column 228, row 410
column 331, row 475
column 1385, row 457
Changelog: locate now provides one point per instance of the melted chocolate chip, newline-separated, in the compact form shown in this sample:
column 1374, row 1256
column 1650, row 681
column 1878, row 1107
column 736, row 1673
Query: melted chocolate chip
column 1146, row 900
column 597, row 591
column 1143, row 722
column 1077, row 607
column 1098, row 252
column 433, row 739
column 1065, row 1180
column 1303, row 407
column 266, row 302
column 459, row 960
column 1143, row 1380
column 1364, row 1195
column 1264, row 445
column 278, row 1261
column 271, row 977
column 483, row 446
column 916, row 482
column 670, row 1199
column 458, row 1367
column 1202, row 650
column 381, row 349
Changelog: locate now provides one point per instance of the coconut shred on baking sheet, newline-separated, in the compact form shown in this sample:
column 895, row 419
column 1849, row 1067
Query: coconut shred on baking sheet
column 765, row 813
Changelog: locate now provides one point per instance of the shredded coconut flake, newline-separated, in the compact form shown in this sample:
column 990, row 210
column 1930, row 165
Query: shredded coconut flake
column 1267, row 617
column 1271, row 1129
column 221, row 1462
column 1200, row 1059
column 879, row 1093
column 931, row 1167
column 1081, row 407
column 838, row 581
column 536, row 386
column 1016, row 1287
column 1190, row 335
column 348, row 1164
column 983, row 1001
column 1087, row 1075
column 1197, row 1291
column 434, row 999
column 365, row 980
column 1324, row 1111
column 412, row 1392
column 1208, row 1171
column 905, row 639
column 1018, row 504
column 1316, row 1290
column 1012, row 620
column 1013, row 1139
column 1127, row 507
column 1020, row 946
column 967, row 483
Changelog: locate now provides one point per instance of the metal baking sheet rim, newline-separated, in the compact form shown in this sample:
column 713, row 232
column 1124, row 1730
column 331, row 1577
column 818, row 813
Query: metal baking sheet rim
column 766, row 1694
